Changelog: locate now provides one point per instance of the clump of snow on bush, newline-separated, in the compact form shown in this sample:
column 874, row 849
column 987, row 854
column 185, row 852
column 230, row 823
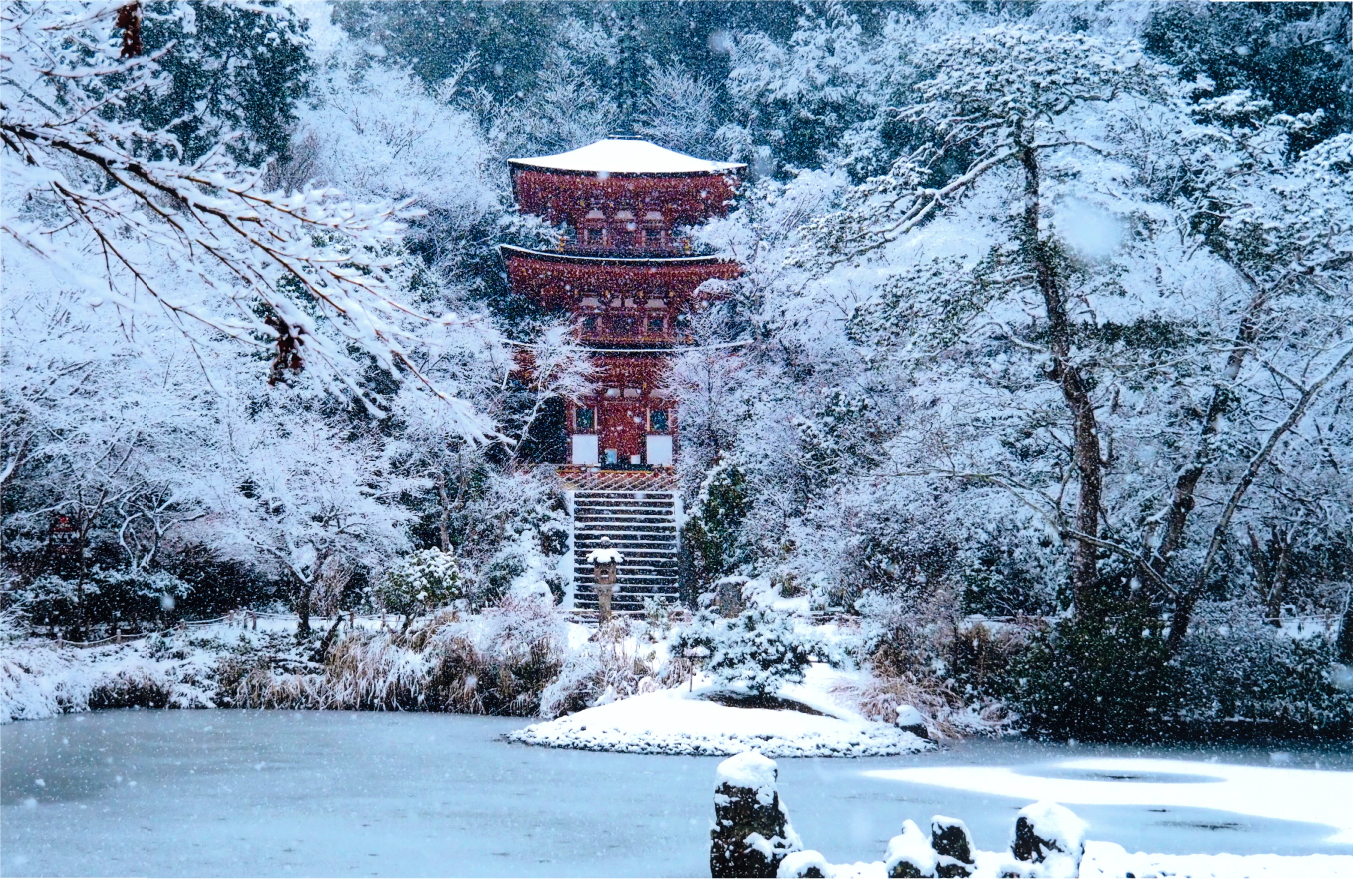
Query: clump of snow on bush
column 910, row 847
column 422, row 581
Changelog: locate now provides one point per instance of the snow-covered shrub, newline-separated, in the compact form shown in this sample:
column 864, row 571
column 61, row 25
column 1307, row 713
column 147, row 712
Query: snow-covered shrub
column 529, row 523
column 713, row 529
column 524, row 640
column 1248, row 671
column 581, row 680
column 130, row 688
column 498, row 663
column 919, row 656
column 99, row 597
column 759, row 650
column 1095, row 680
column 38, row 680
column 1115, row 680
column 422, row 581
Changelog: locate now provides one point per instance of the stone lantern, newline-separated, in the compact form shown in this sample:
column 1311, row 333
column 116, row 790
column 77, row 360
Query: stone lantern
column 605, row 560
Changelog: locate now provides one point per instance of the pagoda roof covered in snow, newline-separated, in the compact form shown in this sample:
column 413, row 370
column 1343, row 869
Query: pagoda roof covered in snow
column 626, row 156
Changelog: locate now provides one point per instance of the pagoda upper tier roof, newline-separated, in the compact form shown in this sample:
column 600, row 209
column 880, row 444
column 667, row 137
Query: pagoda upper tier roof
column 508, row 251
column 627, row 156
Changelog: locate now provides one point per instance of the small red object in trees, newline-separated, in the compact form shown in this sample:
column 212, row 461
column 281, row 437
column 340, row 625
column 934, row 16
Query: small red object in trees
column 129, row 19
column 64, row 536
column 289, row 344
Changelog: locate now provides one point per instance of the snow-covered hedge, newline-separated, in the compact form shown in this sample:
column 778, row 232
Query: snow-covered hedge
column 759, row 650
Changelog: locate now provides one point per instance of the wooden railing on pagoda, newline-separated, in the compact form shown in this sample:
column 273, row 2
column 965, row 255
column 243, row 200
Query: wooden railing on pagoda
column 586, row 477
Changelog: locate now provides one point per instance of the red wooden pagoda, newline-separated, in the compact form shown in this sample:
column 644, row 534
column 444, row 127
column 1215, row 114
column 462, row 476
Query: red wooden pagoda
column 624, row 272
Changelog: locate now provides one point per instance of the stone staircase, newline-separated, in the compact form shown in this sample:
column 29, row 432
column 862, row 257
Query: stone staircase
column 643, row 526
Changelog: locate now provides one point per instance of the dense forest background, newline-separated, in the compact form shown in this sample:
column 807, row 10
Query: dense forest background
column 1047, row 314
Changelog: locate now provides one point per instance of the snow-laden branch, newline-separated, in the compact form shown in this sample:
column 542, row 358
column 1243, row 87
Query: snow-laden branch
column 322, row 276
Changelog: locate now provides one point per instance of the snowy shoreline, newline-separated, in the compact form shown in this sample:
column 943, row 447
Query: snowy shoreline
column 687, row 722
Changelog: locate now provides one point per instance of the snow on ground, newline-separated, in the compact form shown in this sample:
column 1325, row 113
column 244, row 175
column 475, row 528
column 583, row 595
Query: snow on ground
column 1104, row 859
column 41, row 678
column 683, row 721
column 1277, row 792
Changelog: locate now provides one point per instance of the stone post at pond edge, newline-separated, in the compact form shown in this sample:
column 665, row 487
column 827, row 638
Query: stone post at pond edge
column 751, row 833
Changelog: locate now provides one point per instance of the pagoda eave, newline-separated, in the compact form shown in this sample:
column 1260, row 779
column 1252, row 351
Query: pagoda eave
column 624, row 261
column 562, row 280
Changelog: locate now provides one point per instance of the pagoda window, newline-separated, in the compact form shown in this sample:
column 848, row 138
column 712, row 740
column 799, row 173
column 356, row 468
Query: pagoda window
column 585, row 419
column 656, row 303
column 590, row 322
column 655, row 324
column 632, row 392
column 657, row 420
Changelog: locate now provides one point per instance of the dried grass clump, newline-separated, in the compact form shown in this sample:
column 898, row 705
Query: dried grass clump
column 604, row 672
column 499, row 663
column 129, row 689
column 928, row 659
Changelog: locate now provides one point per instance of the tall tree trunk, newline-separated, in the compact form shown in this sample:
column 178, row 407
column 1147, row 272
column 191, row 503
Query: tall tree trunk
column 1184, row 608
column 1182, row 499
column 1075, row 392
column 303, row 590
column 1271, row 577
column 443, row 533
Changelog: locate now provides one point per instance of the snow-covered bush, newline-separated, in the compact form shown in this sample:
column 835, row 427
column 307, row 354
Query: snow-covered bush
column 1117, row 681
column 99, row 597
column 524, row 528
column 1110, row 680
column 39, row 679
column 713, row 529
column 1249, row 671
column 425, row 580
column 920, row 655
column 759, row 650
column 498, row 663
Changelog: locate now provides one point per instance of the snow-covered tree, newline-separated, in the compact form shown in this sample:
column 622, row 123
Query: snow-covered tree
column 294, row 495
column 315, row 275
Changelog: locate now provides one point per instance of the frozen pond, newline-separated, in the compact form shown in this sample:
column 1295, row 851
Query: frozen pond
column 280, row 793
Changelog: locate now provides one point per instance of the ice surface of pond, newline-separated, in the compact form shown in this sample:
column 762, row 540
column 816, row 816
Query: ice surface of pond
column 279, row 793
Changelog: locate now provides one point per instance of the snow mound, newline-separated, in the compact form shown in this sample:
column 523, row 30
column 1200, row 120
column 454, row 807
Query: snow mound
column 1108, row 859
column 910, row 847
column 680, row 722
column 748, row 770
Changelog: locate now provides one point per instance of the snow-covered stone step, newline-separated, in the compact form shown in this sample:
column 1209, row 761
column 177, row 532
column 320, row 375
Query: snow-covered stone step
column 643, row 526
column 591, row 538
